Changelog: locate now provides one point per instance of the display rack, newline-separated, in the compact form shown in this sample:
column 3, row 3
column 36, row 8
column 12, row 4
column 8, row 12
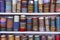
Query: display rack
column 30, row 31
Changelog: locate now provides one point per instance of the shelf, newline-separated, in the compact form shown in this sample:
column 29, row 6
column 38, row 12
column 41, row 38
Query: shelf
column 29, row 13
column 31, row 32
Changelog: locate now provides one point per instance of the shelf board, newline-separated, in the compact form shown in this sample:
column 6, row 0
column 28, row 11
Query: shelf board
column 29, row 13
column 30, row 32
